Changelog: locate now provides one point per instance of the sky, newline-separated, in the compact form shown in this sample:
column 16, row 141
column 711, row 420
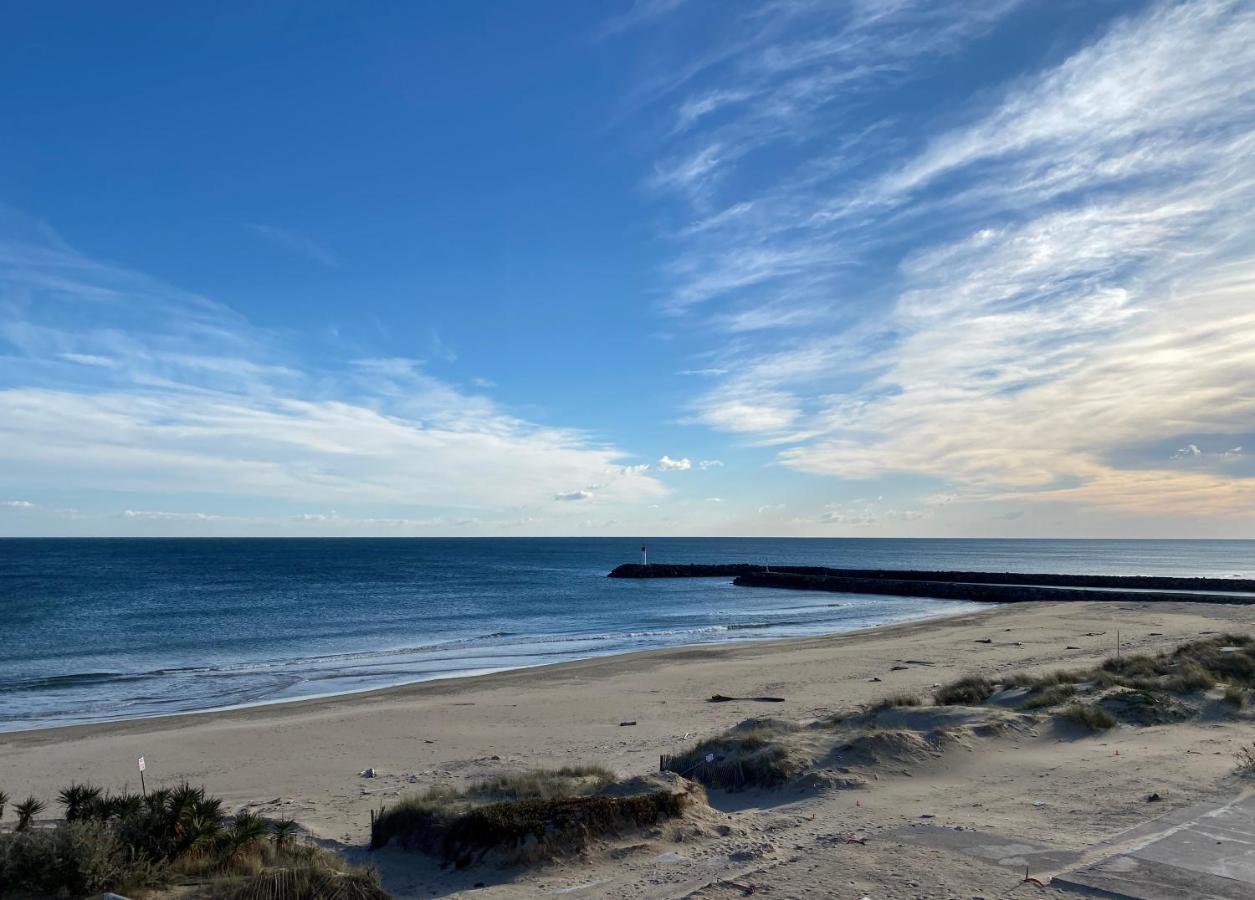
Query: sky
column 665, row 267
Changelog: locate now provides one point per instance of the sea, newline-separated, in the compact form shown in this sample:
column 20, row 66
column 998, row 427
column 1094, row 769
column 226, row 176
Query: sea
column 97, row 630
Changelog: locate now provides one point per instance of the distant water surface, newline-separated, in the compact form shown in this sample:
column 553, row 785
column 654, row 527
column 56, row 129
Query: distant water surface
column 93, row 630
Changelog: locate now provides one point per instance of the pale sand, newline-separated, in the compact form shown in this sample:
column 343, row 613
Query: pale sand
column 302, row 759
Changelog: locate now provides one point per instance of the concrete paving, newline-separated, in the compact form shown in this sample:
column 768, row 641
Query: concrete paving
column 1017, row 854
column 1195, row 853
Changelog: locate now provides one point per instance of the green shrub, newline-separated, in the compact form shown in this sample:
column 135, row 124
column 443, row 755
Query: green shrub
column 75, row 859
column 970, row 691
column 127, row 842
column 1235, row 696
column 1095, row 718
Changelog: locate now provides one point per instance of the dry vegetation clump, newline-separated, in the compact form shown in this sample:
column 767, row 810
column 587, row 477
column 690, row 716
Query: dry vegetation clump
column 1048, row 696
column 970, row 691
column 1090, row 716
column 1147, row 707
column 1245, row 760
column 893, row 701
column 123, row 843
column 540, row 784
column 310, row 880
column 755, row 753
column 521, row 818
column 1191, row 667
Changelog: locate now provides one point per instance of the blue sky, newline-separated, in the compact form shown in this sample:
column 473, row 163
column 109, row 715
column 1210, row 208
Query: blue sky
column 876, row 267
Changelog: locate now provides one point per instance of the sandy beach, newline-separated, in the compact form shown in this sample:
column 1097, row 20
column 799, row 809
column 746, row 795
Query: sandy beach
column 302, row 759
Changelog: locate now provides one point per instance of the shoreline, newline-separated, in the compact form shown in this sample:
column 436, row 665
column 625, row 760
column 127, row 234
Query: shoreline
column 77, row 729
column 303, row 760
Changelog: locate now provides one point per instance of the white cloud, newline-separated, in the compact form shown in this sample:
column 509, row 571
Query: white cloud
column 162, row 516
column 667, row 464
column 18, row 504
column 199, row 403
column 1187, row 450
column 710, row 464
column 761, row 411
column 1081, row 285
column 573, row 496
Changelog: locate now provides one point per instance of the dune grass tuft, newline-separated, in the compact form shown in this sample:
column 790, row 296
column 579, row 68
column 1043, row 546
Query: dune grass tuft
column 895, row 700
column 750, row 755
column 536, row 815
column 304, row 880
column 1090, row 716
column 1236, row 697
column 1052, row 695
column 972, row 690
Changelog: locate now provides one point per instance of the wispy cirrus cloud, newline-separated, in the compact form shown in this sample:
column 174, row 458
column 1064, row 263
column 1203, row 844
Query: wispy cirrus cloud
column 295, row 242
column 1011, row 304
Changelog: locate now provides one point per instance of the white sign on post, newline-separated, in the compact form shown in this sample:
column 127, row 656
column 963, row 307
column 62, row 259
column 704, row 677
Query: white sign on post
column 142, row 765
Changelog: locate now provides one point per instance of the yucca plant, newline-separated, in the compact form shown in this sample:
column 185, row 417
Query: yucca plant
column 123, row 806
column 200, row 831
column 158, row 800
column 246, row 832
column 26, row 811
column 78, row 800
column 208, row 807
column 246, row 829
column 283, row 833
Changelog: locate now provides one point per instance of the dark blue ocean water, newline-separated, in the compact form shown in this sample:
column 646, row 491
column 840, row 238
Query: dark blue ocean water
column 106, row 629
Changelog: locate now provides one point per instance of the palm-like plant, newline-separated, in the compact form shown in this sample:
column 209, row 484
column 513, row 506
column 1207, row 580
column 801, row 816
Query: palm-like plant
column 78, row 800
column 283, row 833
column 26, row 811
column 158, row 800
column 200, row 831
column 4, row 801
column 246, row 829
column 123, row 806
column 246, row 832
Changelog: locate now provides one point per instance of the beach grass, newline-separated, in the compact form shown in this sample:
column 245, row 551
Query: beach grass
column 1089, row 716
column 895, row 700
column 520, row 818
column 753, row 754
column 971, row 690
